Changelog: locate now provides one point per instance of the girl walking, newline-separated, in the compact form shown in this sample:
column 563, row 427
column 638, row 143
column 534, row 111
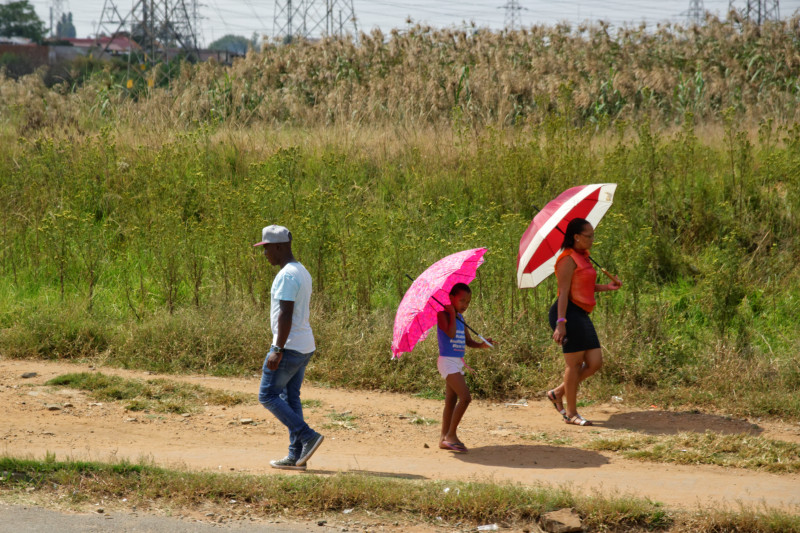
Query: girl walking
column 453, row 338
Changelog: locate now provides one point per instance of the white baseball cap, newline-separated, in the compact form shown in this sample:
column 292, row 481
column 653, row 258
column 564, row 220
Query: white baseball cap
column 274, row 235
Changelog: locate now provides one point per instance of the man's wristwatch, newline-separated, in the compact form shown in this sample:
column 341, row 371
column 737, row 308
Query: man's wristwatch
column 276, row 348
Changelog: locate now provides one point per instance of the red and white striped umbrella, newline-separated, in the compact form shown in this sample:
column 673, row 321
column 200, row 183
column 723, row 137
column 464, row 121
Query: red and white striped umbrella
column 541, row 242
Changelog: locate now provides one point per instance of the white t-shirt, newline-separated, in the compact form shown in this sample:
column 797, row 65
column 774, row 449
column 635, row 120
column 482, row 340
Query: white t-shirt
column 293, row 284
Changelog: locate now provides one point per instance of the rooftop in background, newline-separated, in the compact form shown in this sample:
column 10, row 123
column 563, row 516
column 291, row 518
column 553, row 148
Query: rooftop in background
column 19, row 41
column 116, row 44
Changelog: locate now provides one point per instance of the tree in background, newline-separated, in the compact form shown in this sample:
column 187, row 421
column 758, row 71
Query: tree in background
column 19, row 19
column 235, row 44
column 65, row 29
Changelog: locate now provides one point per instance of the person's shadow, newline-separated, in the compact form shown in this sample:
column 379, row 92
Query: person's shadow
column 532, row 456
column 670, row 423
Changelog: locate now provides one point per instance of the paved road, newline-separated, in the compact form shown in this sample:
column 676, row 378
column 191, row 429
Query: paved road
column 28, row 519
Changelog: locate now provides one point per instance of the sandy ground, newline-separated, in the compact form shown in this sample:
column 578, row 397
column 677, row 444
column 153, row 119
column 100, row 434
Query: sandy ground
column 384, row 439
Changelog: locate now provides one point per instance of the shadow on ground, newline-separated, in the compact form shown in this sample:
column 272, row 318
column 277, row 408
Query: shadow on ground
column 669, row 423
column 532, row 456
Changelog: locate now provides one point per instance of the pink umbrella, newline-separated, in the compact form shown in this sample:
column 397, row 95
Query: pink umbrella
column 428, row 295
column 541, row 242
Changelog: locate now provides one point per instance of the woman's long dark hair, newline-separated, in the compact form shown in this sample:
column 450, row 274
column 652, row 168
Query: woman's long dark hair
column 575, row 225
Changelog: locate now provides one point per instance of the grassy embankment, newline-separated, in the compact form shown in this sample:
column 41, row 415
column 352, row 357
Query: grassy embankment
column 146, row 487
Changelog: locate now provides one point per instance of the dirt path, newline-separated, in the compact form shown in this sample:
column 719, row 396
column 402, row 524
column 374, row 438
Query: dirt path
column 384, row 440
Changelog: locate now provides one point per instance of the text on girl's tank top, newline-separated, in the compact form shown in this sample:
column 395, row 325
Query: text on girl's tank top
column 456, row 346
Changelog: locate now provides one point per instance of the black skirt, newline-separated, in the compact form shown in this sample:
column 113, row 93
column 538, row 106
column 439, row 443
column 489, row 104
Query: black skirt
column 581, row 335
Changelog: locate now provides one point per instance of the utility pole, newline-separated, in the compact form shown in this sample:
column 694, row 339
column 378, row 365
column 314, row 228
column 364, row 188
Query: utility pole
column 513, row 19
column 758, row 11
column 696, row 13
column 313, row 18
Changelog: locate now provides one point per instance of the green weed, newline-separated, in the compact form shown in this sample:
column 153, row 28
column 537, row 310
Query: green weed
column 739, row 451
column 430, row 394
column 158, row 395
column 344, row 420
column 546, row 438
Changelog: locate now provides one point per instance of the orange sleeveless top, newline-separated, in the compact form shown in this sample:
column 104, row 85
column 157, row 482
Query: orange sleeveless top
column 581, row 290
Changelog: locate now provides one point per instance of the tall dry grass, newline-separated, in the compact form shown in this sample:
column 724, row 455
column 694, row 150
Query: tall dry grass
column 472, row 77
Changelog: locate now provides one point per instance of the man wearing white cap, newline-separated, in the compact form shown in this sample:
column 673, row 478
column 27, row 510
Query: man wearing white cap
column 291, row 349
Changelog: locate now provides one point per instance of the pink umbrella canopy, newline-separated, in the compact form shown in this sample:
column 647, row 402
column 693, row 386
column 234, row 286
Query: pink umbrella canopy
column 417, row 312
column 541, row 242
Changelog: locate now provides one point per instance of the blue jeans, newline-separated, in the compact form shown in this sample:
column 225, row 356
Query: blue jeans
column 280, row 394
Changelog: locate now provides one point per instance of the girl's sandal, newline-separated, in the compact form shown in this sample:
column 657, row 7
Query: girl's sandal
column 453, row 446
column 577, row 420
column 551, row 395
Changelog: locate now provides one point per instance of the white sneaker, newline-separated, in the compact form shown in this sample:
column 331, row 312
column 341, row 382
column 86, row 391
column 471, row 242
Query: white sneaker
column 286, row 464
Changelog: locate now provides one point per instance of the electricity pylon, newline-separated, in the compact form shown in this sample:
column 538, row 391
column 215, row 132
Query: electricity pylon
column 158, row 26
column 313, row 18
column 696, row 12
column 56, row 12
column 758, row 11
column 513, row 20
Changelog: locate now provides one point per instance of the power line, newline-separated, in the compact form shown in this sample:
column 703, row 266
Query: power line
column 236, row 16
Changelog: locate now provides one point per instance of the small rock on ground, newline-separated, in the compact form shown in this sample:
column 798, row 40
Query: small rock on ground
column 562, row 521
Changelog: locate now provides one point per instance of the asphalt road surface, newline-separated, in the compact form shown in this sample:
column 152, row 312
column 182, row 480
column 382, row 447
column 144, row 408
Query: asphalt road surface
column 28, row 519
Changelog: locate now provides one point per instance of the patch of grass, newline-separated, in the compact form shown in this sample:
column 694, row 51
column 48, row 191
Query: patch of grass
column 740, row 450
column 310, row 404
column 159, row 395
column 341, row 420
column 546, row 438
column 430, row 394
column 149, row 487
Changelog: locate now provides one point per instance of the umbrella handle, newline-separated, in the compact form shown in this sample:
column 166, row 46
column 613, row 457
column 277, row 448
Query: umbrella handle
column 487, row 343
column 612, row 277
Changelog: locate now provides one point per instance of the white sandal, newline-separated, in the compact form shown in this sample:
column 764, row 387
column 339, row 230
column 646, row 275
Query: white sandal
column 577, row 420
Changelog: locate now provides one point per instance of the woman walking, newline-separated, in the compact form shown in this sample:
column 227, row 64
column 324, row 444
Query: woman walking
column 569, row 317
